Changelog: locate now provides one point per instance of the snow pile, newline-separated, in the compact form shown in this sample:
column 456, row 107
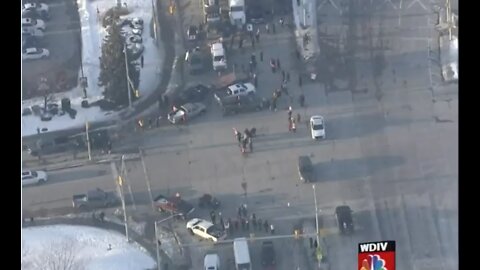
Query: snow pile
column 80, row 247
column 92, row 35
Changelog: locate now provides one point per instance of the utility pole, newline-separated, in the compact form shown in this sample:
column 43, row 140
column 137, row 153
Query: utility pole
column 119, row 183
column 89, row 148
column 449, row 18
column 156, row 237
column 316, row 222
column 128, row 78
column 147, row 178
column 124, row 174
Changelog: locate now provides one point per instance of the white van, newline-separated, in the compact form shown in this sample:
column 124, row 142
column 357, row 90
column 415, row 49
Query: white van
column 219, row 59
column 211, row 262
column 242, row 254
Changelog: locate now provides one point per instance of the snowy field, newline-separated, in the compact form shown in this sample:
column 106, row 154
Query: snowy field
column 92, row 36
column 80, row 247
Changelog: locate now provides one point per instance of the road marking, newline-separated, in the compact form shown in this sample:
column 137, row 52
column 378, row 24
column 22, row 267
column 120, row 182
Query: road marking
column 419, row 2
column 331, row 3
column 394, row 7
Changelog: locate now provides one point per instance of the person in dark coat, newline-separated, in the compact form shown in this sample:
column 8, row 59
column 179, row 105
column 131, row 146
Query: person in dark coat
column 250, row 144
column 299, row 80
column 261, row 56
column 239, row 211
column 222, row 224
column 301, row 100
column 239, row 138
column 212, row 216
column 265, row 225
column 259, row 224
column 255, row 80
column 236, row 224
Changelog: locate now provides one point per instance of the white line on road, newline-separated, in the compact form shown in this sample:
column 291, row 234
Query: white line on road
column 394, row 7
column 419, row 2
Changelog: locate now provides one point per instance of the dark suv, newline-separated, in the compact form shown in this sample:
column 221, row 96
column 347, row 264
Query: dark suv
column 268, row 254
column 305, row 169
column 241, row 104
column 344, row 219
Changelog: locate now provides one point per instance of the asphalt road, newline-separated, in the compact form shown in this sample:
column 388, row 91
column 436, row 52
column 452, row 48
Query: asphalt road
column 391, row 159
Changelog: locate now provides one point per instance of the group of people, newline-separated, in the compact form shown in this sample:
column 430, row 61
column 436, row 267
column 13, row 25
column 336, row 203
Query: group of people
column 245, row 139
column 242, row 222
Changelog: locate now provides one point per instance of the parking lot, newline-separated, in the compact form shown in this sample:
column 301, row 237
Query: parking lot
column 62, row 39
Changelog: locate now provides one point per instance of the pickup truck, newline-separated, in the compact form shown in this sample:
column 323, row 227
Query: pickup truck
column 235, row 90
column 96, row 198
column 186, row 111
column 173, row 205
column 205, row 230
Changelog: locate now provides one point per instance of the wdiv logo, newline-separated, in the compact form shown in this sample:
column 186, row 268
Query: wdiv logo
column 376, row 255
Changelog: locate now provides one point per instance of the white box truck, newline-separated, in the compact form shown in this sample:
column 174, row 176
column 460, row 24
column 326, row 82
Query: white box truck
column 237, row 12
column 219, row 59
column 242, row 254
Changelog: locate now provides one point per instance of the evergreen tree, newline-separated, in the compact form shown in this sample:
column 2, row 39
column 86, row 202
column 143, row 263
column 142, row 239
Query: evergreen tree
column 112, row 66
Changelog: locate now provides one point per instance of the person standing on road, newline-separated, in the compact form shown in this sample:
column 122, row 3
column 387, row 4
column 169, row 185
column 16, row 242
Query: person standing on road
column 261, row 56
column 267, row 28
column 294, row 127
column 250, row 144
column 259, row 224
column 301, row 100
column 278, row 63
column 222, row 223
column 265, row 225
column 283, row 75
column 239, row 211
column 290, row 111
column 212, row 216
column 257, row 35
column 272, row 65
column 272, row 229
column 255, row 80
column 298, row 118
column 300, row 80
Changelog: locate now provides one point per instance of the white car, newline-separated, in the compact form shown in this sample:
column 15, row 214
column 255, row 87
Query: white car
column 211, row 262
column 205, row 229
column 29, row 23
column 241, row 89
column 35, row 53
column 33, row 177
column 317, row 127
column 41, row 7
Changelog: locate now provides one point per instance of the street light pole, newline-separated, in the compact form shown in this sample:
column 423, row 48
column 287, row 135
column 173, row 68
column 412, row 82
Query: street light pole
column 316, row 213
column 156, row 237
column 89, row 148
column 128, row 81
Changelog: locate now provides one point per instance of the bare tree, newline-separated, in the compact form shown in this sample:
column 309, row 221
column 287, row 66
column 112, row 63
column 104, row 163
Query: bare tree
column 58, row 255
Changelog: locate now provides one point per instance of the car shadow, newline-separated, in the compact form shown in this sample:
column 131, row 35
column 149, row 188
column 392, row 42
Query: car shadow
column 354, row 168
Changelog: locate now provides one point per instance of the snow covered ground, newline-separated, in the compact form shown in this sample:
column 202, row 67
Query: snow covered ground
column 80, row 246
column 92, row 36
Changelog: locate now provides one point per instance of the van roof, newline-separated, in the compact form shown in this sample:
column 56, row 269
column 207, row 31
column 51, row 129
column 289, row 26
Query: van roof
column 211, row 260
column 240, row 250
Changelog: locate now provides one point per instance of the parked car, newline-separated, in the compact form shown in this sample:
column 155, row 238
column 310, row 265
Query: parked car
column 344, row 219
column 208, row 201
column 205, row 229
column 30, row 23
column 317, row 127
column 305, row 169
column 93, row 199
column 35, row 54
column 234, row 90
column 28, row 42
column 241, row 104
column 35, row 14
column 191, row 94
column 33, row 177
column 57, row 145
column 256, row 15
column 195, row 61
column 192, row 33
column 185, row 112
column 268, row 254
column 211, row 262
column 173, row 205
column 32, row 32
column 40, row 7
